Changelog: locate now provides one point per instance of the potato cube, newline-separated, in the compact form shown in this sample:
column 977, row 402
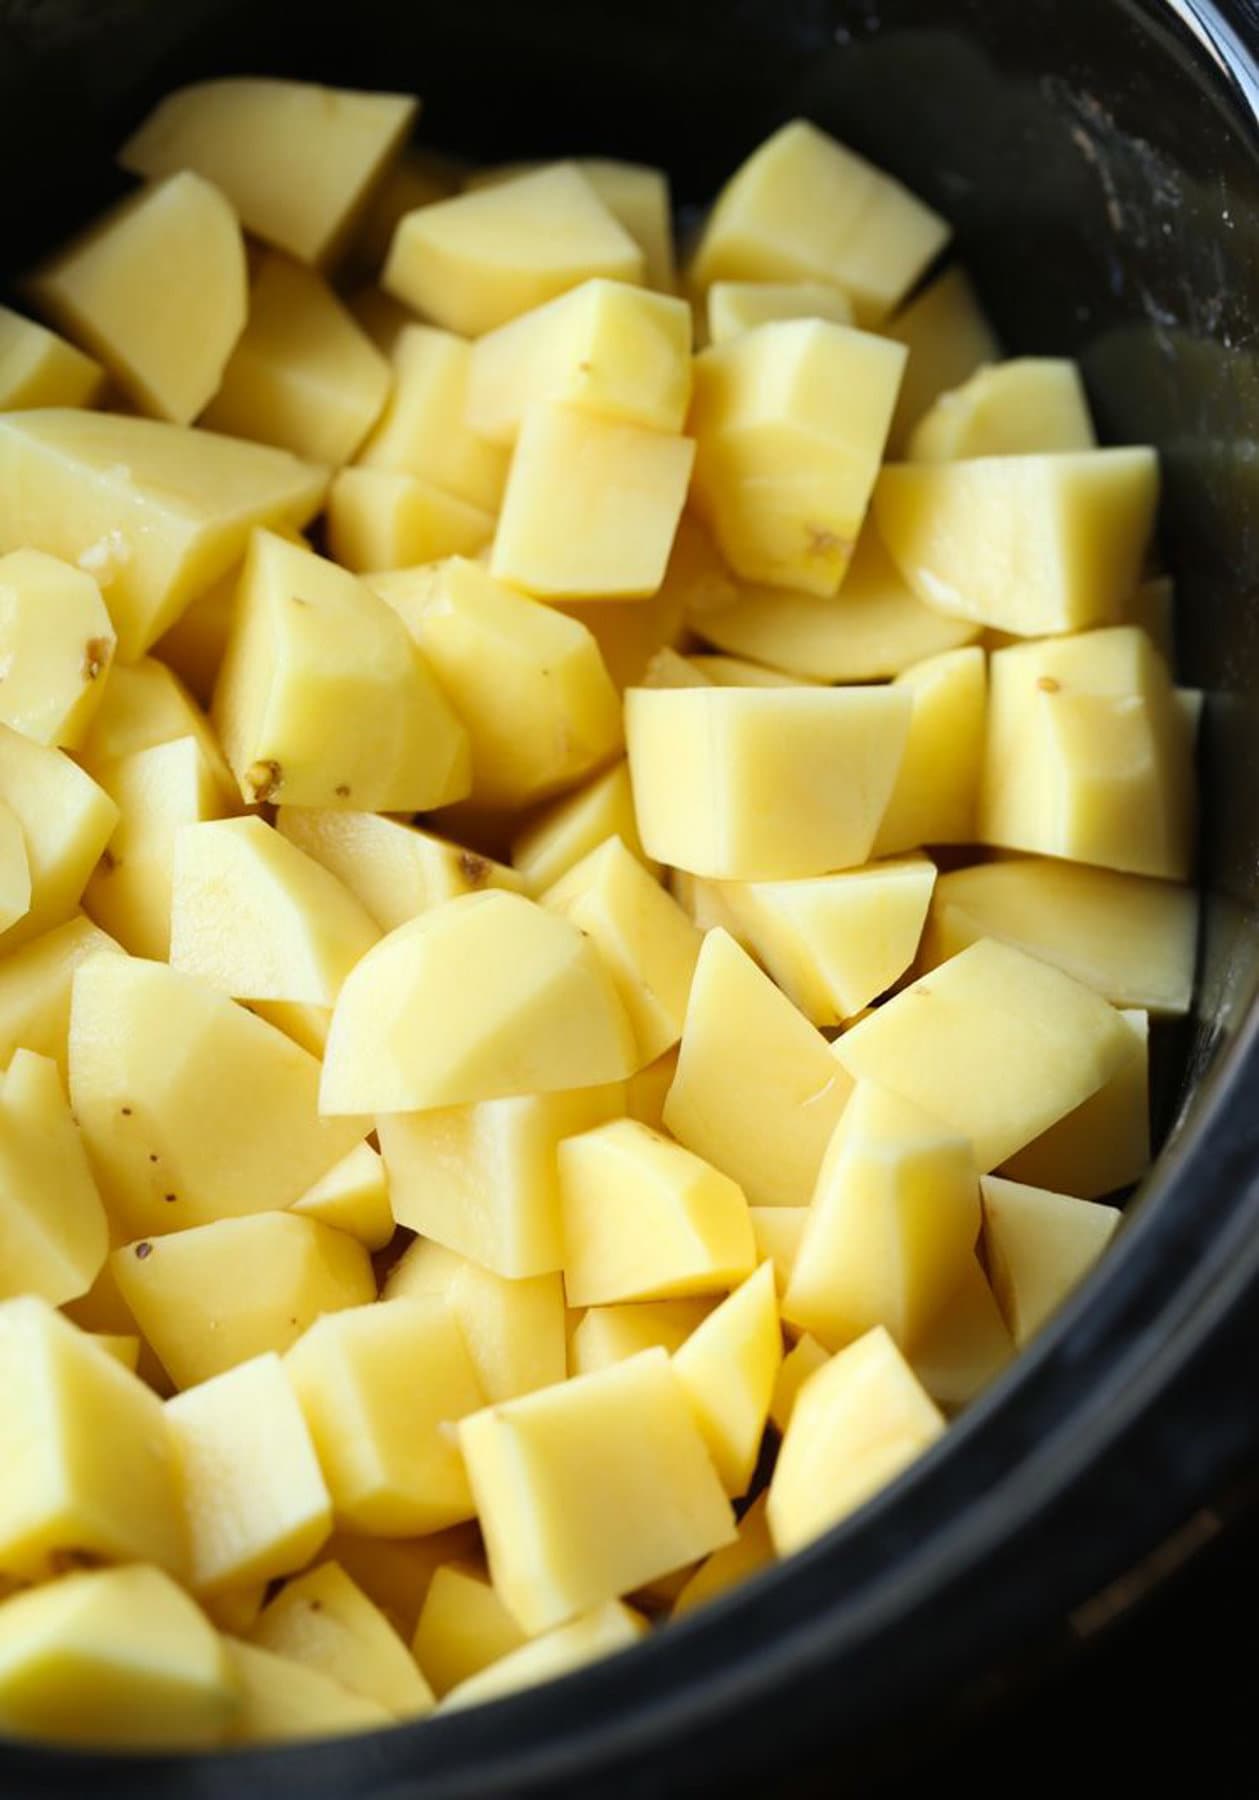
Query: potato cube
column 396, row 1572
column 833, row 943
column 1089, row 755
column 88, row 1471
column 38, row 368
column 298, row 162
column 65, row 820
column 352, row 1197
column 486, row 996
column 1028, row 544
column 323, row 700
column 588, row 1490
column 872, row 628
column 157, row 792
column 804, row 1358
column 15, row 870
column 194, row 647
column 611, row 1334
column 144, row 705
column 608, row 1628
column 712, row 768
column 936, row 796
column 116, row 1657
column 35, row 984
column 255, row 916
column 570, row 828
column 483, row 1179
column 638, row 198
column 1105, row 1143
column 474, row 262
column 424, row 430
column 54, row 1235
column 804, row 208
column 302, row 375
column 629, row 632
column 966, row 1345
column 1026, row 407
column 644, row 937
column 737, row 306
column 463, row 1628
column 155, row 512
column 604, row 347
column 944, row 329
column 757, row 1092
column 387, row 519
column 124, row 1347
column 1039, row 1246
column 645, row 1219
column 381, row 1387
column 514, row 1330
column 256, row 1504
column 416, row 177
column 856, row 1424
column 236, row 1609
column 281, row 1701
column 529, row 684
column 790, row 421
column 892, row 1227
column 1133, row 941
column 751, row 1551
column 394, row 869
column 157, row 290
column 323, row 1621
column 732, row 671
column 1007, row 1047
column 591, row 505
column 215, row 1296
column 179, row 1091
column 728, row 1366
column 777, row 1231
column 56, row 647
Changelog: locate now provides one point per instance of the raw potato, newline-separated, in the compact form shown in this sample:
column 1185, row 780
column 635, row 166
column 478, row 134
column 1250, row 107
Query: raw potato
column 724, row 1569
column 298, row 162
column 35, row 984
column 778, row 1231
column 88, row 1469
column 591, row 505
column 396, row 1572
column 529, row 684
column 425, row 429
column 476, row 261
column 711, row 769
column 735, row 306
column 255, row 1501
column 804, row 1358
column 256, row 917
column 323, row 700
column 113, row 1657
column 353, row 1197
column 157, row 291
column 856, row 1424
column 218, row 1295
column 323, row 1621
column 416, row 177
column 588, row 1490
column 790, row 421
column 936, row 796
column 757, row 1092
column 302, row 375
column 645, row 1219
column 607, row 1629
column 154, row 512
column 56, row 648
column 994, row 1043
column 803, row 208
column 38, row 368
column 1038, row 1247
column 944, row 329
column 397, row 871
column 1104, row 1144
column 163, row 1066
column 66, row 821
column 1028, row 544
column 381, row 1388
column 728, row 1366
column 892, row 1226
column 570, row 828
column 387, row 519
column 604, row 347
column 145, row 705
column 54, row 1235
column 1023, row 407
column 1130, row 939
column 611, row 1334
column 280, row 1701
column 464, row 1627
column 15, row 870
column 966, row 1346
column 629, row 632
column 483, row 1179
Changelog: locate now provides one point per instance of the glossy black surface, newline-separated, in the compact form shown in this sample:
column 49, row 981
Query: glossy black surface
column 1099, row 160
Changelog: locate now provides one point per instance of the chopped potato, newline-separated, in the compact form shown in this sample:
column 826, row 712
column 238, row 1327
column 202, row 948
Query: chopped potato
column 608, row 1628
column 1038, row 1247
column 427, row 428
column 610, row 1334
column 281, row 1701
column 389, row 519
column 38, row 368
column 735, row 306
column 948, row 338
column 559, row 838
column 936, row 796
column 323, row 1621
column 728, row 1366
column 66, row 821
column 56, row 648
column 1023, row 407
column 35, row 984
column 54, row 1235
column 353, row 1197
column 464, row 1627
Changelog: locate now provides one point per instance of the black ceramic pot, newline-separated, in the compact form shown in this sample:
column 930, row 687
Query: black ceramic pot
column 1100, row 161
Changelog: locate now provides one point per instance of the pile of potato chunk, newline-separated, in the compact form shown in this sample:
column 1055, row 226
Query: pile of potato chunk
column 580, row 916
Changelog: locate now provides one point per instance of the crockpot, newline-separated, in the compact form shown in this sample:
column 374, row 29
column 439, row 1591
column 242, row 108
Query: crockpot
column 1099, row 160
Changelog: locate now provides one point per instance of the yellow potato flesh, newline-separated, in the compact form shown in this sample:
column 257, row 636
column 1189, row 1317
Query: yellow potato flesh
column 947, row 336
column 607, row 1629
column 56, row 647
column 463, row 1628
column 396, row 1572
column 1038, row 1247
column 966, row 1345
column 804, row 1358
column 777, row 1231
column 144, row 705
column 66, row 821
column 571, row 828
column 156, row 290
column 728, row 1366
column 610, row 1334
column 353, row 1197
column 54, row 1235
column 724, row 1569
column 735, row 306
column 426, row 430
column 1104, row 1144
column 388, row 519
column 38, row 368
column 15, row 870
column 323, row 1621
column 936, row 796
column 1023, row 407
column 280, row 1701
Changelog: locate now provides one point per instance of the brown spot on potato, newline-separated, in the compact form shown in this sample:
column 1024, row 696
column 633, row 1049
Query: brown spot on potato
column 143, row 1250
column 95, row 658
column 474, row 869
column 825, row 543
column 343, row 791
column 1048, row 685
column 262, row 781
column 170, row 1198
column 109, row 862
